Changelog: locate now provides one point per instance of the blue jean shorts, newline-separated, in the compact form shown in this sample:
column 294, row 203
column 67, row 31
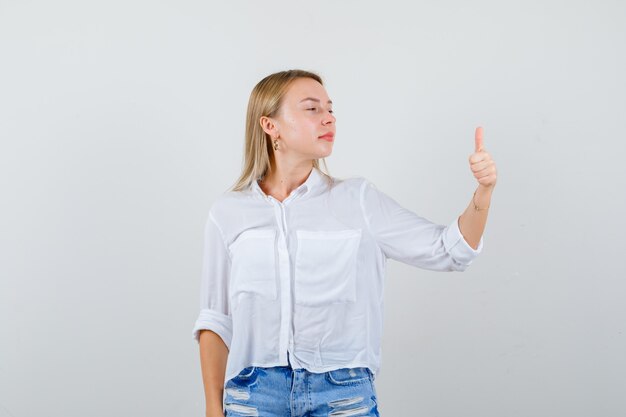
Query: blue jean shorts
column 282, row 391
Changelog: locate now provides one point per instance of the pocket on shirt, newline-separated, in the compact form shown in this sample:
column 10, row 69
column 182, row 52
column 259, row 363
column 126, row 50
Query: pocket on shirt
column 325, row 266
column 253, row 268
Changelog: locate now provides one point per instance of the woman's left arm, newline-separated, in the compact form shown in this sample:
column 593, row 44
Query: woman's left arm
column 472, row 221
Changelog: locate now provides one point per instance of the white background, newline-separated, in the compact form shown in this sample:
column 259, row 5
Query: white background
column 122, row 121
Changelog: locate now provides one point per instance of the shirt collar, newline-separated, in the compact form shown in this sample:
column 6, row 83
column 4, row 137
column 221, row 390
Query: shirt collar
column 314, row 179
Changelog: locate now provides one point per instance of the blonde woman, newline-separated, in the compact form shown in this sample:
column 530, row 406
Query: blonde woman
column 291, row 311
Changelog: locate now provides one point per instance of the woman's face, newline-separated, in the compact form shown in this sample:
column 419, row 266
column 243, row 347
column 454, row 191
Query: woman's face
column 304, row 116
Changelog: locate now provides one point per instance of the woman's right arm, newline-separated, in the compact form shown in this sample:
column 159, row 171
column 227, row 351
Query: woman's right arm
column 213, row 356
column 213, row 328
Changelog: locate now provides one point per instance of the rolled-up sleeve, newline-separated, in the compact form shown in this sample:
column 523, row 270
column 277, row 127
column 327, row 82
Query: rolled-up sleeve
column 214, row 307
column 404, row 236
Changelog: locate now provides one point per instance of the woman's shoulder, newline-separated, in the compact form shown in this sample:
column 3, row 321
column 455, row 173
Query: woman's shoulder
column 348, row 188
column 352, row 181
column 228, row 203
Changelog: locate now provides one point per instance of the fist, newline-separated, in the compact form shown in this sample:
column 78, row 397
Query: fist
column 481, row 164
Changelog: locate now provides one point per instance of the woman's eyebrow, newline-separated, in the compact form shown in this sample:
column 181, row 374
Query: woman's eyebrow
column 314, row 99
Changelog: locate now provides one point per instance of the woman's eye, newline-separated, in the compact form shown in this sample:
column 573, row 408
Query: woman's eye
column 315, row 108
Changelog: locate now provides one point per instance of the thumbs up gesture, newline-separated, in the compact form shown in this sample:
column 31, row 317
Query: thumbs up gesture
column 481, row 164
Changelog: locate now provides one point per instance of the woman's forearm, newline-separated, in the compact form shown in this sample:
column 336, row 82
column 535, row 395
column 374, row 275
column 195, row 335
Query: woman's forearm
column 472, row 222
column 213, row 357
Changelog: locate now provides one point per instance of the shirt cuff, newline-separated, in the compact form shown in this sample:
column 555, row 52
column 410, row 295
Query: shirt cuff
column 457, row 246
column 215, row 321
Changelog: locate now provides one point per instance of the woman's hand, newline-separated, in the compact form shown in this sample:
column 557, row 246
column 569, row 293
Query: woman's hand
column 481, row 164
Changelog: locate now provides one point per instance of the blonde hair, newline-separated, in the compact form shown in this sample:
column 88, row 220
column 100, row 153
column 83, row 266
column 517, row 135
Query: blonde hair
column 266, row 100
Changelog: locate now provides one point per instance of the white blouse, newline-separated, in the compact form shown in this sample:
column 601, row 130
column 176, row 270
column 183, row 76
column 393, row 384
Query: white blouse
column 306, row 275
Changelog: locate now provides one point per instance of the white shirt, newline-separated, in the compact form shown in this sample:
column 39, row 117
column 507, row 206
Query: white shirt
column 306, row 275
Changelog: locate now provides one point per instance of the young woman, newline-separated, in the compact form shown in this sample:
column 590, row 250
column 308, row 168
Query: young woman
column 291, row 309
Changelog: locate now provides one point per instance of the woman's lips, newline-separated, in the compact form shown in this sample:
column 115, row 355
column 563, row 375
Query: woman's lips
column 328, row 137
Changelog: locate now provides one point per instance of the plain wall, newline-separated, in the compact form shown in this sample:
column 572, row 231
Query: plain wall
column 122, row 121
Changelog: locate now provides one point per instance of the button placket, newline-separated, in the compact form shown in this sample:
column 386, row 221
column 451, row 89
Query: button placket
column 286, row 343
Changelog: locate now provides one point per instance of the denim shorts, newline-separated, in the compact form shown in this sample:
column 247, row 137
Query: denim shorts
column 282, row 391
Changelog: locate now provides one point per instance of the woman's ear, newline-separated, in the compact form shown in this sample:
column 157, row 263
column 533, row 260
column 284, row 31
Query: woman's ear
column 269, row 127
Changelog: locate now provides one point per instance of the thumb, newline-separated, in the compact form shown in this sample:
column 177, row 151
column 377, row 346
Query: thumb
column 478, row 139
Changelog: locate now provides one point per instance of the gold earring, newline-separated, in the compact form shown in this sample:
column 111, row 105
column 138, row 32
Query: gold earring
column 275, row 144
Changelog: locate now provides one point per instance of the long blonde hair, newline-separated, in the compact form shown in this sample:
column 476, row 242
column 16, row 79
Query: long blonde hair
column 265, row 100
